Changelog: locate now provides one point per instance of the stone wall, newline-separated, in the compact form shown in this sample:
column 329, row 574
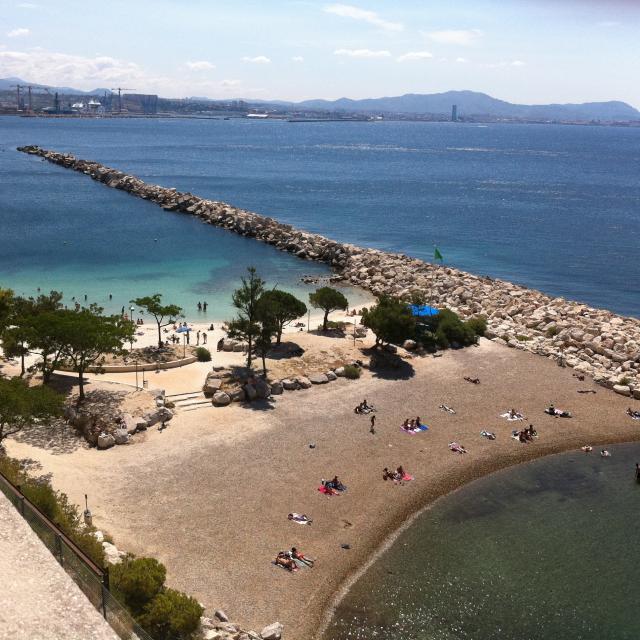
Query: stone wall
column 593, row 341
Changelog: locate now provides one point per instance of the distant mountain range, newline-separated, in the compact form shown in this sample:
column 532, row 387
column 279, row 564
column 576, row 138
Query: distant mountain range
column 9, row 84
column 469, row 104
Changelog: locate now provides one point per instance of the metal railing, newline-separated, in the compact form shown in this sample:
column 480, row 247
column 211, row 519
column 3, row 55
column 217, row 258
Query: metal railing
column 92, row 580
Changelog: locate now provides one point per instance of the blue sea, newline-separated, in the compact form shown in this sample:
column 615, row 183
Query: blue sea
column 552, row 207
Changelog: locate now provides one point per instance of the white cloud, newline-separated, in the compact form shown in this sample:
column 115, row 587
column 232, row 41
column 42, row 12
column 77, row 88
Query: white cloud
column 298, row 59
column 517, row 63
column 462, row 37
column 371, row 17
column 362, row 53
column 461, row 60
column 415, row 55
column 256, row 59
column 28, row 5
column 200, row 65
column 19, row 33
column 230, row 83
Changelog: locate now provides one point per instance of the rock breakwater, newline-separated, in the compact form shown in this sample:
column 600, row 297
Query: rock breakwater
column 595, row 342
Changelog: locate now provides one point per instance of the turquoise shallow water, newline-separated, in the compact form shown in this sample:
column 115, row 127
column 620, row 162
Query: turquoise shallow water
column 543, row 551
column 552, row 207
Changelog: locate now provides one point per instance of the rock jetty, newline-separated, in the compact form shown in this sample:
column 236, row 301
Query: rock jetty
column 595, row 342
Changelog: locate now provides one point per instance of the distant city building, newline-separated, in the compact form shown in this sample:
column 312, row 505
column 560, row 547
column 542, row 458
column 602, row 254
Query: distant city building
column 454, row 113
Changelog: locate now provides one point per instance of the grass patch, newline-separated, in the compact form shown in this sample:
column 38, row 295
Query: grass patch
column 351, row 372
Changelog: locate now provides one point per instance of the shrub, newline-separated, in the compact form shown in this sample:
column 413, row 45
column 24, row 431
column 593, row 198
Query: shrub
column 478, row 325
column 138, row 581
column 203, row 354
column 552, row 331
column 624, row 381
column 451, row 329
column 171, row 615
column 522, row 338
column 351, row 371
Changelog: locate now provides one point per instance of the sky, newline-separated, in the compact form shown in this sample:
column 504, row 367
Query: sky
column 524, row 51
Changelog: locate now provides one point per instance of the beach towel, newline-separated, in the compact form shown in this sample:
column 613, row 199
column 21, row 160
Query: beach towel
column 488, row 434
column 635, row 415
column 405, row 478
column 507, row 415
column 327, row 491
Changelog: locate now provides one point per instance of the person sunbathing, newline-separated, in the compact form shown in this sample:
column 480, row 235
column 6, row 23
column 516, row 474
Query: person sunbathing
column 405, row 425
column 446, row 408
column 400, row 473
column 301, row 518
column 488, row 434
column 284, row 560
column 472, row 380
column 634, row 414
column 605, row 454
column 296, row 555
column 457, row 448
column 386, row 474
column 587, row 448
column 513, row 414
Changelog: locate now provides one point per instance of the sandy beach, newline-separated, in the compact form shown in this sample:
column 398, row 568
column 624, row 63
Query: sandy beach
column 209, row 496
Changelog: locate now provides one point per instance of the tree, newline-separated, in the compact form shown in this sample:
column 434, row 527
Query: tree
column 245, row 325
column 172, row 615
column 6, row 305
column 282, row 308
column 138, row 580
column 391, row 321
column 153, row 305
column 89, row 336
column 21, row 405
column 263, row 341
column 328, row 300
column 49, row 336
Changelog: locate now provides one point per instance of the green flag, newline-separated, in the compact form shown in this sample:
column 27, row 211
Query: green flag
column 437, row 255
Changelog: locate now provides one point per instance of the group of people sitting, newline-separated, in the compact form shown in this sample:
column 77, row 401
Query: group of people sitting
column 332, row 487
column 364, row 407
column 399, row 475
column 411, row 424
column 290, row 559
column 634, row 414
column 525, row 435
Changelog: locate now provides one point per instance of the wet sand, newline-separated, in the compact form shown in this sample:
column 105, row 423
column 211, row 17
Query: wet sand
column 210, row 495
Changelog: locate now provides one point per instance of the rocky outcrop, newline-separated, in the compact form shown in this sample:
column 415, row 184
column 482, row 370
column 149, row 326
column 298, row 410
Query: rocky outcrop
column 593, row 341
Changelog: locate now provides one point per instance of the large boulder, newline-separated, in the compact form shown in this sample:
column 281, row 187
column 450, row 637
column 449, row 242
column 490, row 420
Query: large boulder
column 622, row 389
column 220, row 399
column 121, row 436
column 272, row 632
column 318, row 378
column 290, row 385
column 276, row 388
column 162, row 414
column 331, row 376
column 304, row 382
column 105, row 441
column 111, row 553
column 129, row 423
column 250, row 392
column 262, row 389
column 211, row 384
column 340, row 372
column 409, row 345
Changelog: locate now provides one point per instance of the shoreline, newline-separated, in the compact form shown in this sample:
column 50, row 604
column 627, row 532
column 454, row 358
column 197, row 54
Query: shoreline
column 392, row 536
column 594, row 342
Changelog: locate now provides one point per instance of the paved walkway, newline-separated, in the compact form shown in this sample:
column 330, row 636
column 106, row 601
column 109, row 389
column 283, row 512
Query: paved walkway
column 38, row 600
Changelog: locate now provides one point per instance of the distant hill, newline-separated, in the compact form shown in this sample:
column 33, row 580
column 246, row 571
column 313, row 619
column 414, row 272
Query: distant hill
column 9, row 84
column 471, row 103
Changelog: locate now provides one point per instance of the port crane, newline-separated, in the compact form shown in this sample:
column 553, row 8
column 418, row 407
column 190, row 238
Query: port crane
column 120, row 90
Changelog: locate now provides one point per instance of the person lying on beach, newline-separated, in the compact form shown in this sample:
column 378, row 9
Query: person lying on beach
column 294, row 554
column 634, row 414
column 300, row 518
column 488, row 434
column 587, row 448
column 512, row 415
column 472, row 380
column 605, row 454
column 586, row 391
column 444, row 407
column 457, row 447
column 334, row 485
column 558, row 413
column 284, row 560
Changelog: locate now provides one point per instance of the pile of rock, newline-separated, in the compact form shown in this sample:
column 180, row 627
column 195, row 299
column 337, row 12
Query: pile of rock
column 219, row 628
column 593, row 341
column 104, row 430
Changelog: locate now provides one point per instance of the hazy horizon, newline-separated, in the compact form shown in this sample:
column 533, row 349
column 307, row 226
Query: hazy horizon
column 529, row 52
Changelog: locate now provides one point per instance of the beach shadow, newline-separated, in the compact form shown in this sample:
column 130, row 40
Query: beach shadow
column 389, row 366
column 285, row 350
column 58, row 437
column 267, row 404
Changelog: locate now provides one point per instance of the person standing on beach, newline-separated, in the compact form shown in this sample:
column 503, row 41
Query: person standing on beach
column 204, row 337
column 198, row 337
column 199, row 305
column 373, row 425
column 204, row 306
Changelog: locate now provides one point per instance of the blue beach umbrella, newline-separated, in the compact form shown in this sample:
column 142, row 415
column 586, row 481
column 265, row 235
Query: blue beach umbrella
column 183, row 330
column 423, row 310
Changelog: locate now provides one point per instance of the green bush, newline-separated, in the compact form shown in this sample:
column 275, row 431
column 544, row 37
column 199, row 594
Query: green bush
column 451, row 329
column 552, row 331
column 138, row 581
column 478, row 325
column 171, row 615
column 203, row 354
column 351, row 372
column 522, row 338
column 624, row 381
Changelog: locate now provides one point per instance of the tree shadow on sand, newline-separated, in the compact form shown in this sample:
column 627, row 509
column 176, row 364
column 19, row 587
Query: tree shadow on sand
column 285, row 350
column 389, row 366
column 57, row 437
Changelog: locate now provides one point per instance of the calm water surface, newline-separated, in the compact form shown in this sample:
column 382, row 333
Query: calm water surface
column 553, row 207
column 543, row 551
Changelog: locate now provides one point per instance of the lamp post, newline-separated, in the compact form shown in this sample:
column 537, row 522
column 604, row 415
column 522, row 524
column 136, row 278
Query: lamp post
column 184, row 344
column 132, row 309
column 309, row 320
column 136, row 375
